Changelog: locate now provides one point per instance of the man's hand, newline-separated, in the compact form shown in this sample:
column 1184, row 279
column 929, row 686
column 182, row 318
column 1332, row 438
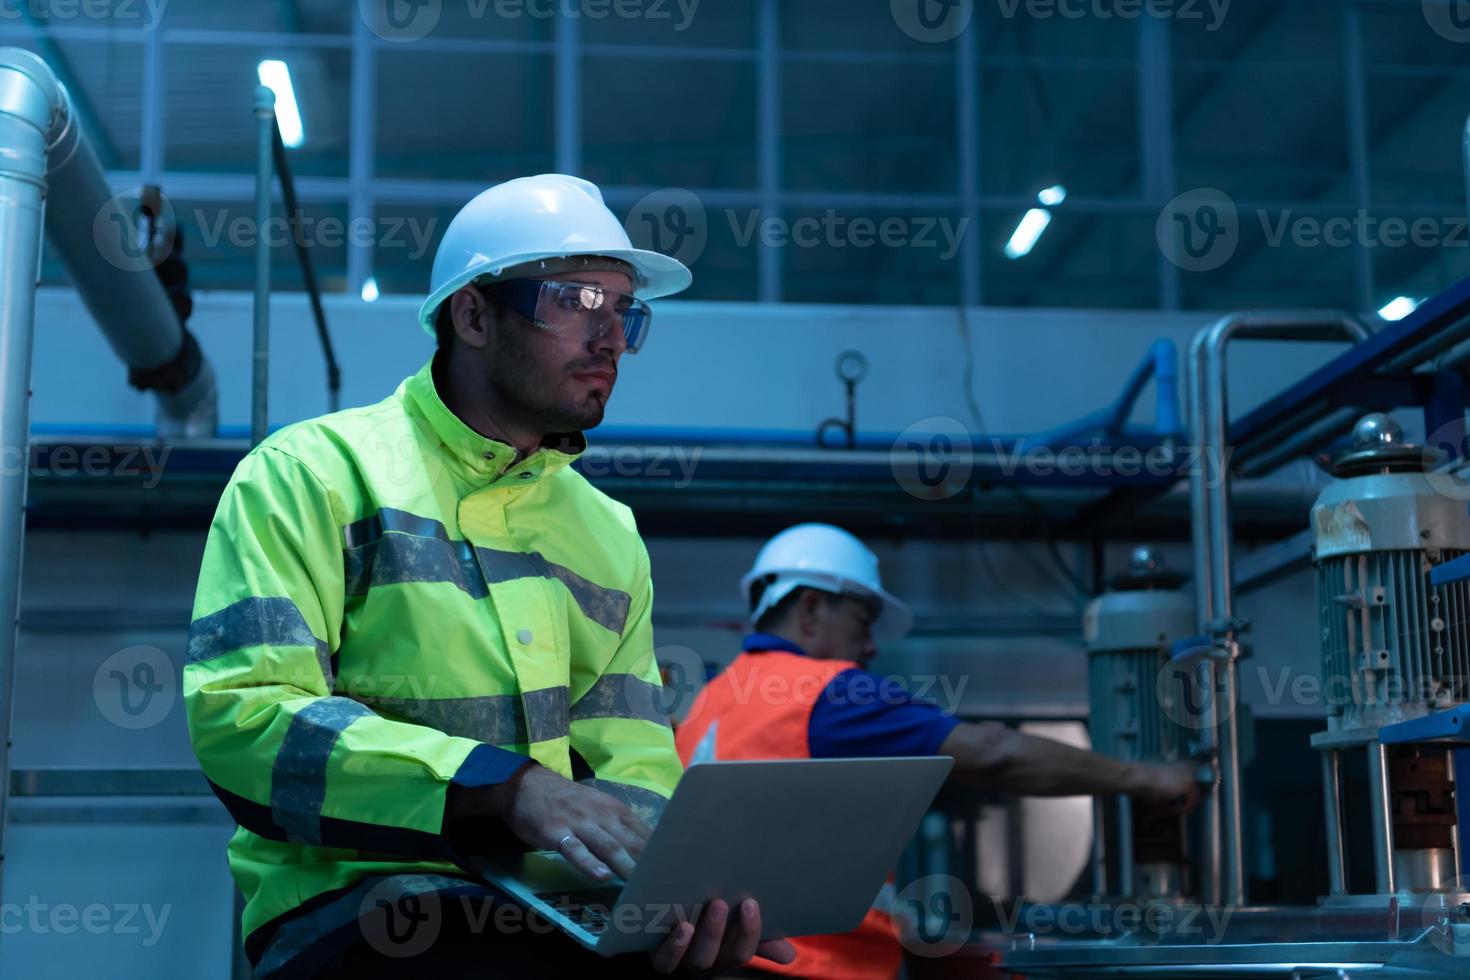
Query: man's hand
column 1174, row 783
column 717, row 942
column 596, row 833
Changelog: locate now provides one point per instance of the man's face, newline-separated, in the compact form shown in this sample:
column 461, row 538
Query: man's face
column 554, row 376
column 842, row 629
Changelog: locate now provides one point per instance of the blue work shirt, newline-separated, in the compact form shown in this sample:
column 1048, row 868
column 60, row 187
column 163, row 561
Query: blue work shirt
column 860, row 713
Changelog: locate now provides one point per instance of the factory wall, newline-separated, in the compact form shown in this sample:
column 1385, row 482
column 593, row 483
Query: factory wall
column 89, row 595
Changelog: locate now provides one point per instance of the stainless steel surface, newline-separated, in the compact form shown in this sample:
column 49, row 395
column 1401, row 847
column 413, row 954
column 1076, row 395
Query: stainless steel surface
column 265, row 125
column 1382, row 938
column 31, row 102
column 1332, row 802
column 1212, row 529
column 1424, row 869
column 1381, row 812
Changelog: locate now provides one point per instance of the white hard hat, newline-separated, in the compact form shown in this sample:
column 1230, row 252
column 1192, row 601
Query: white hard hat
column 820, row 556
column 528, row 219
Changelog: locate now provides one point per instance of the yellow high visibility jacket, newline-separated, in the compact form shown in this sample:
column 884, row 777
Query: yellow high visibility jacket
column 388, row 604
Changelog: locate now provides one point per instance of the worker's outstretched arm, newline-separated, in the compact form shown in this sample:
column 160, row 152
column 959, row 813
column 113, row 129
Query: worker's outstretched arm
column 1010, row 761
column 290, row 760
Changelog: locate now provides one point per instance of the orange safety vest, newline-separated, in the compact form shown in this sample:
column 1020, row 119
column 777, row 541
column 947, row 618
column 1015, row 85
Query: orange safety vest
column 760, row 708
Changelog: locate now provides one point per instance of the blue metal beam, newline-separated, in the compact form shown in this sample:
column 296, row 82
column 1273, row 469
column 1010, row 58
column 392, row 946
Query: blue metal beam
column 1435, row 315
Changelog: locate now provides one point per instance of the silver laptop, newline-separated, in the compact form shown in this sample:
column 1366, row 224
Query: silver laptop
column 812, row 840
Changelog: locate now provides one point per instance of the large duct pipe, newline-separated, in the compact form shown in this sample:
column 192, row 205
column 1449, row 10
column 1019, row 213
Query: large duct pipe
column 29, row 107
column 96, row 234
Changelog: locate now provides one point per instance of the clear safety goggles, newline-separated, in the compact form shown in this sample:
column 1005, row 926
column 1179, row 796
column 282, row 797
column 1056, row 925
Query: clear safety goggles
column 577, row 309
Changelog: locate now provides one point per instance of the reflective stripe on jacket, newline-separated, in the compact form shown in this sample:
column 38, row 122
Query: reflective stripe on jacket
column 760, row 707
column 388, row 603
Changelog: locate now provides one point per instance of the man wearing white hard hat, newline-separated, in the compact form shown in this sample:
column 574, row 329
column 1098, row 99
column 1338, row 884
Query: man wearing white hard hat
column 799, row 689
column 419, row 636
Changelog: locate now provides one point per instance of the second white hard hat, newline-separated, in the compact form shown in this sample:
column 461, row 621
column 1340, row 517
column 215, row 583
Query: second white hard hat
column 821, row 556
column 529, row 219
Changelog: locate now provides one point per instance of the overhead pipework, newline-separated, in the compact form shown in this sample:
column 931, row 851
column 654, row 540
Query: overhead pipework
column 1395, row 647
column 110, row 245
column 1129, row 631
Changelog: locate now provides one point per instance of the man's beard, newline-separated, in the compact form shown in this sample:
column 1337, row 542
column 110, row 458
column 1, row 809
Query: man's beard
column 534, row 399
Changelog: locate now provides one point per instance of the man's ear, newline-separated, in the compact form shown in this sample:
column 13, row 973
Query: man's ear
column 809, row 607
column 465, row 309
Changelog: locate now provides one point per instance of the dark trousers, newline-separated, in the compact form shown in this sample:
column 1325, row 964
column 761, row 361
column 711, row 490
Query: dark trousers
column 473, row 936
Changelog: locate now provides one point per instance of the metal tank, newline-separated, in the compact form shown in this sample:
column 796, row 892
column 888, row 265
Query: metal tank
column 1128, row 631
column 1394, row 648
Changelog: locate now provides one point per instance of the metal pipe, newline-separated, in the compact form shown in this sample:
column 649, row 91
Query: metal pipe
column 308, row 271
column 112, row 267
column 265, row 124
column 30, row 103
column 1381, row 811
column 1211, row 532
column 1332, row 806
column 1126, row 884
column 1099, row 848
column 1302, row 441
column 1465, row 152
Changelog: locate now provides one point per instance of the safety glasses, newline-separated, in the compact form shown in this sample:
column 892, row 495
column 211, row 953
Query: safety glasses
column 577, row 309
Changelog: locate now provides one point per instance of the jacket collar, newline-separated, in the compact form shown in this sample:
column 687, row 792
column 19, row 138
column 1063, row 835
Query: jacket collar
column 478, row 458
column 767, row 643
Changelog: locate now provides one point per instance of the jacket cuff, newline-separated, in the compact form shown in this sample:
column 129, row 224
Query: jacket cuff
column 487, row 765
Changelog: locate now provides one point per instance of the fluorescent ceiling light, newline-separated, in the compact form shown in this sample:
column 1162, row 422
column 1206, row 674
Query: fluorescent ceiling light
column 1024, row 238
column 1053, row 195
column 275, row 76
column 370, row 290
column 1399, row 307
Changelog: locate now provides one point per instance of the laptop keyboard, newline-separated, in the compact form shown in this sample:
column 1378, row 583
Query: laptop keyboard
column 589, row 909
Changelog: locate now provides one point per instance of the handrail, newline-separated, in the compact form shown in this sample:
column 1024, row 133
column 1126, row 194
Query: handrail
column 308, row 273
column 272, row 159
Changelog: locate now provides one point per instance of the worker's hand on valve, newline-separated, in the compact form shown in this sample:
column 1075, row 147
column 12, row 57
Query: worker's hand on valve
column 722, row 938
column 1174, row 783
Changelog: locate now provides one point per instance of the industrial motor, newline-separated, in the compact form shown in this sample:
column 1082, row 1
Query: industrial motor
column 1394, row 647
column 1129, row 631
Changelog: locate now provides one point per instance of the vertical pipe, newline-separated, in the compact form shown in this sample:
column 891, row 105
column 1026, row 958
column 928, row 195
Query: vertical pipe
column 967, row 126
column 768, row 137
column 1358, row 144
column 1332, row 806
column 25, row 108
column 1204, row 598
column 1231, row 790
column 1382, row 813
column 568, row 95
column 265, row 122
column 1126, row 884
column 1465, row 149
column 362, row 137
column 1099, row 848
